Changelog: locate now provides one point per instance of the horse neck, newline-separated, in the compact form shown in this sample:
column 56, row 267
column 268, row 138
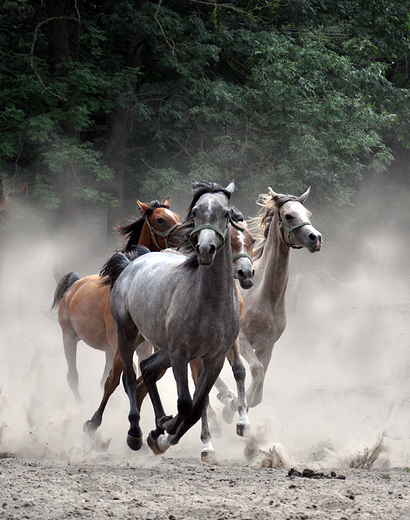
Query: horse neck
column 147, row 240
column 217, row 280
column 272, row 270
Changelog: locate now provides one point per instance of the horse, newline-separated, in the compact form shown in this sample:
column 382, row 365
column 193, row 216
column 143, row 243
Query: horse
column 187, row 307
column 286, row 225
column 84, row 303
column 242, row 242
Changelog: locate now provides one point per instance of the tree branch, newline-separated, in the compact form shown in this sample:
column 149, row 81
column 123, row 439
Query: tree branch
column 69, row 18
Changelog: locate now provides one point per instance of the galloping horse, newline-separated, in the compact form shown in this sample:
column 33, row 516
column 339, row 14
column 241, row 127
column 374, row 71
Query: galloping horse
column 84, row 304
column 242, row 242
column 185, row 306
column 287, row 225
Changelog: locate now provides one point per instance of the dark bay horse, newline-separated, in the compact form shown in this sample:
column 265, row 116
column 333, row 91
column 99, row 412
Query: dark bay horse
column 84, row 304
column 187, row 307
column 242, row 242
column 286, row 224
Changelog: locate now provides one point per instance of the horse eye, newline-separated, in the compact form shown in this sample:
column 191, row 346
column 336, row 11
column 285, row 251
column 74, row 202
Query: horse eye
column 160, row 220
column 194, row 212
column 288, row 216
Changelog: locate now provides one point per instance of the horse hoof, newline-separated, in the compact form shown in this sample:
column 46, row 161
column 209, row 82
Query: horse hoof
column 134, row 443
column 90, row 428
column 152, row 443
column 243, row 430
column 208, row 456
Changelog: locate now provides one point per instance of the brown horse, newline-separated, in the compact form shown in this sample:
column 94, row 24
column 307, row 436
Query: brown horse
column 242, row 242
column 84, row 304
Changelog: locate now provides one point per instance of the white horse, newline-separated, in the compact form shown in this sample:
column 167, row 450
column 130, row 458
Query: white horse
column 287, row 225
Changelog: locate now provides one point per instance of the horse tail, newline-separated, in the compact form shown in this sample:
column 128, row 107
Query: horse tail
column 62, row 287
column 116, row 264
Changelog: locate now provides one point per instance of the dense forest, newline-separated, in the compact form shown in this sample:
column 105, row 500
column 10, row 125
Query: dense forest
column 103, row 102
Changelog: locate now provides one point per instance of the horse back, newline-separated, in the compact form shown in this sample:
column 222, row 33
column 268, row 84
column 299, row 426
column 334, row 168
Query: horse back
column 85, row 309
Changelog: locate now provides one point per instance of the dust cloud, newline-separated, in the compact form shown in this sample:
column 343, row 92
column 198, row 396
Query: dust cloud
column 339, row 380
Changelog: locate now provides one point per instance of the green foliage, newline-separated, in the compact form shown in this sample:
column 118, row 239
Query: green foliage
column 160, row 183
column 93, row 197
column 44, row 192
column 311, row 92
column 70, row 154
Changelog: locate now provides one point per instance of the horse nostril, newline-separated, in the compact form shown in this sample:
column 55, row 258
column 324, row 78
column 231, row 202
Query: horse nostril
column 312, row 237
column 197, row 249
column 212, row 249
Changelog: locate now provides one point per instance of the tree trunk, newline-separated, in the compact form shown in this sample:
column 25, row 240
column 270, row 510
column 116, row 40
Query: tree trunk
column 120, row 125
column 57, row 39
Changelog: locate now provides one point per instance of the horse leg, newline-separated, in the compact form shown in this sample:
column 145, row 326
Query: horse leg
column 231, row 403
column 208, row 451
column 70, row 341
column 264, row 358
column 144, row 350
column 111, row 383
column 179, row 365
column 152, row 369
column 127, row 334
column 205, row 383
column 257, row 372
column 240, row 404
column 109, row 356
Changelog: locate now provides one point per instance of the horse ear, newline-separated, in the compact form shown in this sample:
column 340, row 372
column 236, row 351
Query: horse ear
column 272, row 193
column 142, row 207
column 166, row 203
column 231, row 187
column 304, row 196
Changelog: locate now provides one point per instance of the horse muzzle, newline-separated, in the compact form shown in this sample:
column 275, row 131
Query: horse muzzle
column 245, row 277
column 316, row 242
column 205, row 253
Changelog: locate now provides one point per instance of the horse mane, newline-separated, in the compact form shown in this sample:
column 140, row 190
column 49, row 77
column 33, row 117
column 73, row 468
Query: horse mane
column 132, row 230
column 186, row 247
column 264, row 218
column 116, row 264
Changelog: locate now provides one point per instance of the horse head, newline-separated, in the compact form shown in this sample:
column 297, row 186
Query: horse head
column 162, row 223
column 242, row 242
column 294, row 221
column 210, row 212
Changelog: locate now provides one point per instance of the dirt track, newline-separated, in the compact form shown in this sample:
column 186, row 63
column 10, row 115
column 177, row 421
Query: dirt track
column 185, row 488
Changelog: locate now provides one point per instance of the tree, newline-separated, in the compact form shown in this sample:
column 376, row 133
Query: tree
column 127, row 99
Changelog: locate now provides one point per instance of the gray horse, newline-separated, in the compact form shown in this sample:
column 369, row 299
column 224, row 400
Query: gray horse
column 187, row 307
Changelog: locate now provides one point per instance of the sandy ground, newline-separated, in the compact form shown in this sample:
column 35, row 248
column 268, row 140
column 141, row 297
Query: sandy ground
column 184, row 488
column 337, row 399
